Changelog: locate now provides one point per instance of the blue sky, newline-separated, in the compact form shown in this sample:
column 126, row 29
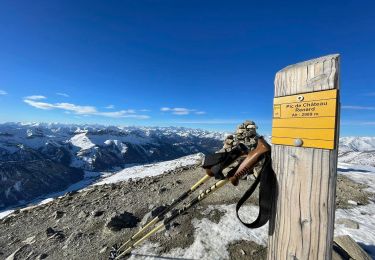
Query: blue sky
column 200, row 64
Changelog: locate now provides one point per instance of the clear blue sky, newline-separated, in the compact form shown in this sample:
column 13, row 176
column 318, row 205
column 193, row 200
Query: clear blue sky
column 201, row 64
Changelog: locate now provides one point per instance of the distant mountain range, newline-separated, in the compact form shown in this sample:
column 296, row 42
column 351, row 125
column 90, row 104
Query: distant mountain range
column 39, row 158
column 357, row 150
column 36, row 158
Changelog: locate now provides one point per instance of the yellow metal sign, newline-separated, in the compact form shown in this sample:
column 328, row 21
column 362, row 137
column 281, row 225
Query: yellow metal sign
column 306, row 120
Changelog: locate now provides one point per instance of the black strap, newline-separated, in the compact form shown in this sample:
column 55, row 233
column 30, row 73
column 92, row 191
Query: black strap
column 267, row 189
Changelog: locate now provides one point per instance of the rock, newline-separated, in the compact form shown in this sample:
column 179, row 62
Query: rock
column 242, row 252
column 123, row 220
column 13, row 255
column 348, row 223
column 82, row 214
column 103, row 250
column 58, row 214
column 42, row 256
column 54, row 234
column 73, row 239
column 29, row 240
column 20, row 253
column 162, row 189
column 346, row 248
column 50, row 231
column 72, row 193
column 352, row 202
column 158, row 210
column 97, row 213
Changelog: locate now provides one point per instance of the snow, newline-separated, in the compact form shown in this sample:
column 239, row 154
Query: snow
column 360, row 174
column 120, row 145
column 212, row 239
column 82, row 141
column 86, row 138
column 358, row 158
column 5, row 213
column 365, row 217
column 152, row 169
column 357, row 144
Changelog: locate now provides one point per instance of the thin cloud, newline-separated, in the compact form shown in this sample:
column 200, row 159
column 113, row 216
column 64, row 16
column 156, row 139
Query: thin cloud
column 358, row 107
column 62, row 94
column 370, row 123
column 181, row 111
column 357, row 123
column 3, row 92
column 110, row 107
column 84, row 110
column 200, row 112
column 35, row 97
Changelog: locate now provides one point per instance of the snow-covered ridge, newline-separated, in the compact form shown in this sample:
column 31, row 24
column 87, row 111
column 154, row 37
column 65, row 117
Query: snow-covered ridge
column 100, row 147
column 357, row 144
column 57, row 130
column 357, row 150
column 154, row 169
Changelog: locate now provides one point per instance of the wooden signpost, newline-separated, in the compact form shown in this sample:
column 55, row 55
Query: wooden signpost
column 305, row 135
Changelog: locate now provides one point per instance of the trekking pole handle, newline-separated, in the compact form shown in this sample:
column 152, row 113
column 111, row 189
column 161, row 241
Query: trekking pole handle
column 209, row 173
column 250, row 161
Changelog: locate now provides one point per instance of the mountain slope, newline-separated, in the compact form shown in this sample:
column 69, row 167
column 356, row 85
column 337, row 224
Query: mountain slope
column 24, row 181
column 36, row 159
column 101, row 147
column 357, row 150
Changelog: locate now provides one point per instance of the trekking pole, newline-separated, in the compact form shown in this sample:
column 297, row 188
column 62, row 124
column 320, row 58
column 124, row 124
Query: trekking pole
column 161, row 215
column 244, row 168
column 181, row 211
column 235, row 153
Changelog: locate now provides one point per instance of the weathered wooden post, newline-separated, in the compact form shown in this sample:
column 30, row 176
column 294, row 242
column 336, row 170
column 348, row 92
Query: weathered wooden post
column 305, row 135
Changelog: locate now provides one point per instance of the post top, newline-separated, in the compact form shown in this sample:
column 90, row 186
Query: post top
column 316, row 60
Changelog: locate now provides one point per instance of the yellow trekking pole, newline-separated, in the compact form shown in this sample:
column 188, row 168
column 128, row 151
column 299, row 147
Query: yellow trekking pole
column 220, row 160
column 181, row 211
column 161, row 215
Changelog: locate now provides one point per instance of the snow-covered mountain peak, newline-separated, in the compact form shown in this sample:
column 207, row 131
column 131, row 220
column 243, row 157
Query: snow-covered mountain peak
column 357, row 144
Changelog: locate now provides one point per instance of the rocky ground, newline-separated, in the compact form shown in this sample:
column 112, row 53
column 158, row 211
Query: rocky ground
column 84, row 225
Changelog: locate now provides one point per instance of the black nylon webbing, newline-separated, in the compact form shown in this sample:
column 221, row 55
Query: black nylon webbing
column 267, row 189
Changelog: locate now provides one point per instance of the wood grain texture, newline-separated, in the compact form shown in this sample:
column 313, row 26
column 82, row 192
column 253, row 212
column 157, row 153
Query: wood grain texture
column 303, row 219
